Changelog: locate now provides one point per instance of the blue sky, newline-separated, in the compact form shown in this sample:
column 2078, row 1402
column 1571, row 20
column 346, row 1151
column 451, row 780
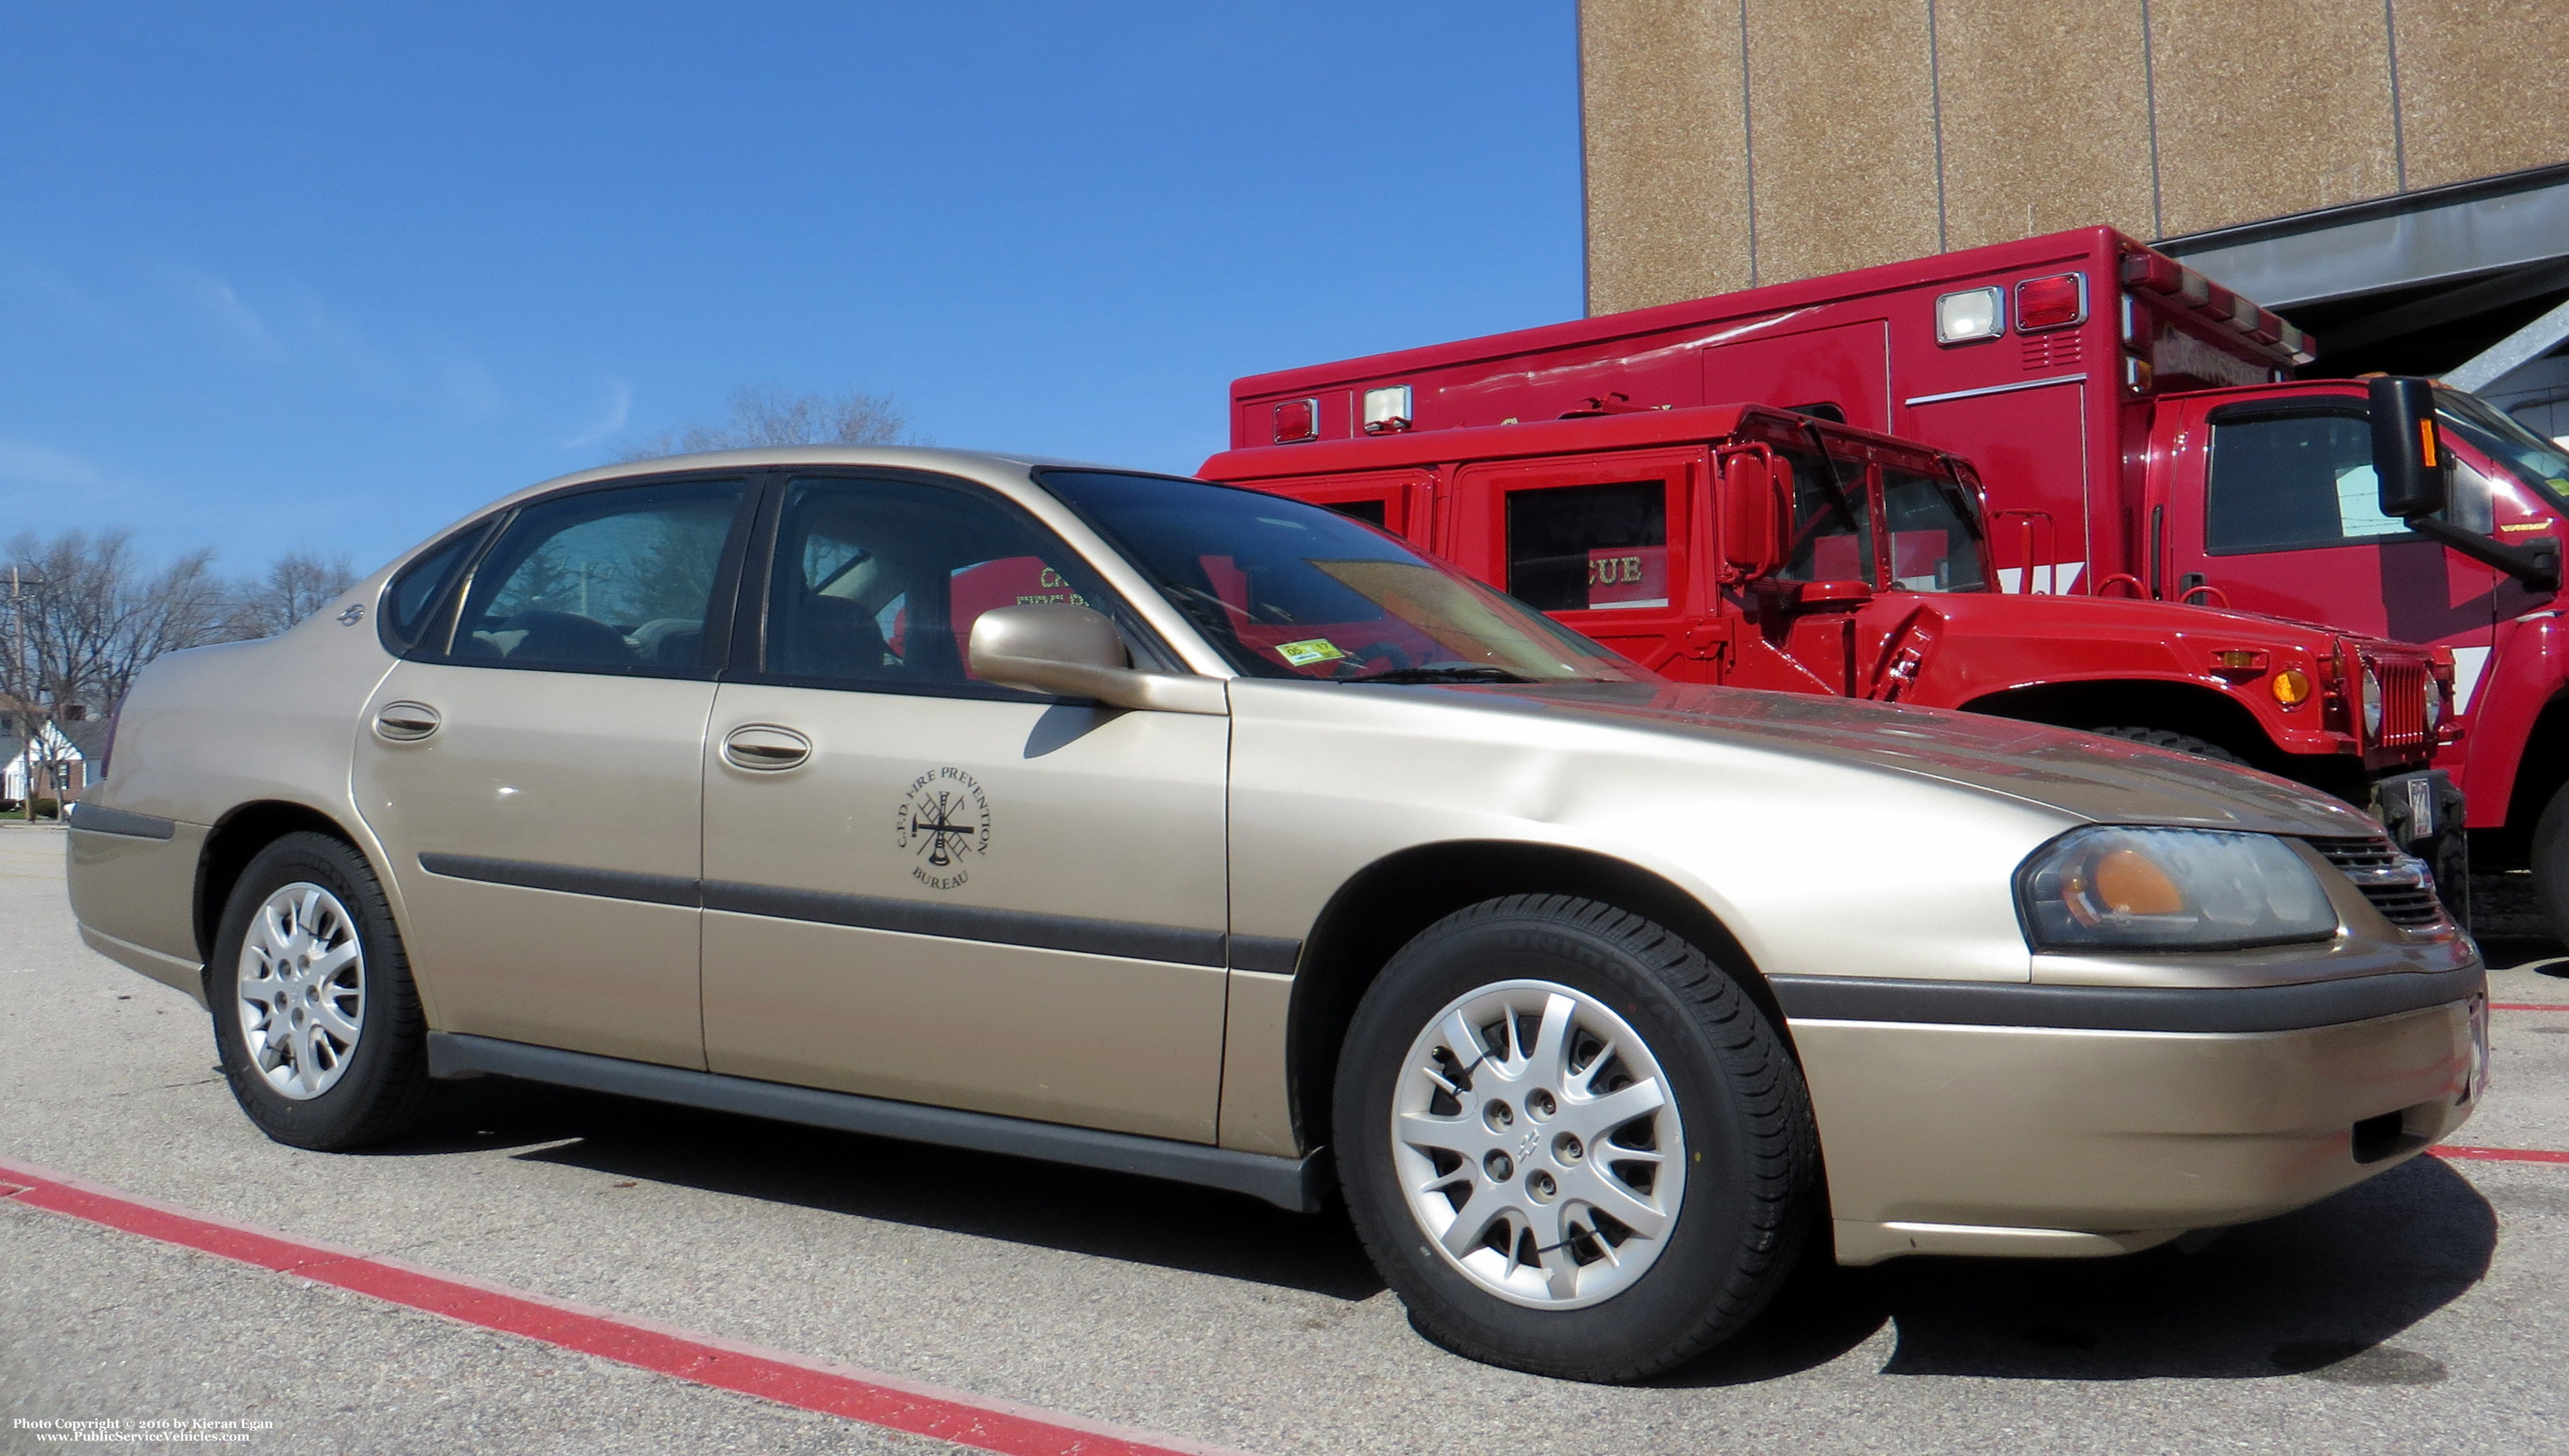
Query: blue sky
column 330, row 276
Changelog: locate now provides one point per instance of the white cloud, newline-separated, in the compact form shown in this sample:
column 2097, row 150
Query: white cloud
column 44, row 468
column 224, row 306
column 619, row 408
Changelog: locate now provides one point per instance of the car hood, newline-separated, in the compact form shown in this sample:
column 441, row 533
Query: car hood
column 2103, row 780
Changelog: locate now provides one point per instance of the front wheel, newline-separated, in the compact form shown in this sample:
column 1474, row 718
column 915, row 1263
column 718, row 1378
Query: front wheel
column 315, row 1019
column 1570, row 1142
column 2551, row 864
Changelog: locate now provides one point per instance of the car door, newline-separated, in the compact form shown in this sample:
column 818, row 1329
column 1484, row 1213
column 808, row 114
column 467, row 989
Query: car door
column 533, row 772
column 2288, row 523
column 921, row 887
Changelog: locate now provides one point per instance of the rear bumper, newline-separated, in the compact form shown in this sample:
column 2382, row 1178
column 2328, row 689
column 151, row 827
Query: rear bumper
column 1950, row 1137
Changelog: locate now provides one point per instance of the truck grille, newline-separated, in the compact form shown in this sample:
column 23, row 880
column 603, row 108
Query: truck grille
column 2404, row 704
column 2397, row 885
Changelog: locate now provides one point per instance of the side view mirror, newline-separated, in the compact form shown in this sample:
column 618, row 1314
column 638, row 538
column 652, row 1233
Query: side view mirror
column 2408, row 460
column 2416, row 478
column 1075, row 652
column 1752, row 513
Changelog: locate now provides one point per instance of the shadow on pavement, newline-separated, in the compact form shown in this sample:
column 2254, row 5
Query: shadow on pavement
column 1075, row 1210
column 2316, row 1292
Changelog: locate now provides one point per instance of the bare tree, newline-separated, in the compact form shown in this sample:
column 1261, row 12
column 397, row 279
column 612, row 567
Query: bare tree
column 298, row 584
column 86, row 615
column 765, row 414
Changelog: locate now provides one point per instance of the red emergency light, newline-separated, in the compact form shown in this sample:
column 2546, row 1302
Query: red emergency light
column 2052, row 303
column 1297, row 419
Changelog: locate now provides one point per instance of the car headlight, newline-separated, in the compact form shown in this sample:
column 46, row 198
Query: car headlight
column 2435, row 708
column 2371, row 694
column 2109, row 887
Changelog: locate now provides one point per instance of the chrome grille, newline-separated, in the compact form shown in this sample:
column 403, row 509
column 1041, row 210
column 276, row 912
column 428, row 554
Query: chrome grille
column 2403, row 703
column 2398, row 885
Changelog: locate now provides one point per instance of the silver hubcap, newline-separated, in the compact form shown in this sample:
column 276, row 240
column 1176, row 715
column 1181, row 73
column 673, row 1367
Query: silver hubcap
column 302, row 989
column 1538, row 1144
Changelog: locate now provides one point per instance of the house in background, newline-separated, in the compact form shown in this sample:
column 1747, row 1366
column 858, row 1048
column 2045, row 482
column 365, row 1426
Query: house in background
column 61, row 761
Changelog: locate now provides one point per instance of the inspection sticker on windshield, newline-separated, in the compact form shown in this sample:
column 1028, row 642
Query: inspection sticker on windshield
column 1304, row 654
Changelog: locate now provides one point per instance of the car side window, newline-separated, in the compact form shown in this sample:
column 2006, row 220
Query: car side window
column 618, row 580
column 876, row 583
column 2299, row 481
column 414, row 595
column 1832, row 522
column 2292, row 482
column 1589, row 547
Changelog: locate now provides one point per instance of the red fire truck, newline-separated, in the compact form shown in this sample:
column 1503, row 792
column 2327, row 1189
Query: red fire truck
column 2089, row 379
column 1761, row 547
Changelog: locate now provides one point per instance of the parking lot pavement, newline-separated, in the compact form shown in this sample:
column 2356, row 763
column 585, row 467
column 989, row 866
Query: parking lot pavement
column 2418, row 1313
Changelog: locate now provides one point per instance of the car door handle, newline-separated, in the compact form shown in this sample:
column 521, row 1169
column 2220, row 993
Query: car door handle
column 765, row 748
column 406, row 722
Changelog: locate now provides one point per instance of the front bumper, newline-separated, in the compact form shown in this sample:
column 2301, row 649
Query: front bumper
column 1949, row 1136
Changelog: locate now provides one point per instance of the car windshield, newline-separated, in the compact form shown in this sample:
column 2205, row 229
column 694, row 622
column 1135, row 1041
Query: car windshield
column 1284, row 589
column 1929, row 521
column 2537, row 461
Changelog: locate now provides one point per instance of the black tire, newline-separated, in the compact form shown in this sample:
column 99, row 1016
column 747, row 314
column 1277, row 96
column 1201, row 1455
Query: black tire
column 384, row 1087
column 2170, row 738
column 1751, row 1155
column 2550, row 863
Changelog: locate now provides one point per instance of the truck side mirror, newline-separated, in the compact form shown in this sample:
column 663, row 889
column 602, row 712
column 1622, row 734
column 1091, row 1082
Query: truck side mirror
column 2408, row 458
column 1751, row 512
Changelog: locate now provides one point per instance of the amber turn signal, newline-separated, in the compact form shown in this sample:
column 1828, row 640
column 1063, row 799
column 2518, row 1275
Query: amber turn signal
column 2128, row 883
column 2292, row 687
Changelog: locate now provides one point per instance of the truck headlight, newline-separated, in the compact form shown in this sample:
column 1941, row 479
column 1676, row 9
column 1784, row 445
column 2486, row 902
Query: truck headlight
column 2370, row 693
column 2109, row 887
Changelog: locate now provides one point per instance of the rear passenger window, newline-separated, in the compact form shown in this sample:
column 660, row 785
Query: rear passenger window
column 617, row 581
column 878, row 582
column 414, row 595
column 1589, row 547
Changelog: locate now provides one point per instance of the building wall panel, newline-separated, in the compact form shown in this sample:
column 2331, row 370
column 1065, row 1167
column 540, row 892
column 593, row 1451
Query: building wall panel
column 2046, row 121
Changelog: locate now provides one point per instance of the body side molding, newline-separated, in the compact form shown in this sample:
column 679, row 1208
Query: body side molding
column 1129, row 940
column 1289, row 1183
column 2295, row 1007
column 99, row 819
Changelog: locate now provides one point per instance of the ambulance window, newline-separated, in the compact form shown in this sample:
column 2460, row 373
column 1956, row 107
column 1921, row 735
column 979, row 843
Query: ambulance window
column 2293, row 483
column 1590, row 548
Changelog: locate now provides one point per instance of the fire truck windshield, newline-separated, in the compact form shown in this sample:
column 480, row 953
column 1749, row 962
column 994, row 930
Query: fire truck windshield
column 1927, row 519
column 2540, row 464
column 1286, row 590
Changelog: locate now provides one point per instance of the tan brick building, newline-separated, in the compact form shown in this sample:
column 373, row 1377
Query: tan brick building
column 2391, row 173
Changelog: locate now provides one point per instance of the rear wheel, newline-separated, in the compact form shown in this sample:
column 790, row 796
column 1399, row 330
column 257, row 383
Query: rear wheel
column 2170, row 738
column 1570, row 1141
column 315, row 1019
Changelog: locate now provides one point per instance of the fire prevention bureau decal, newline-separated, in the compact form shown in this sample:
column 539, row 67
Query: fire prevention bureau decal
column 944, row 823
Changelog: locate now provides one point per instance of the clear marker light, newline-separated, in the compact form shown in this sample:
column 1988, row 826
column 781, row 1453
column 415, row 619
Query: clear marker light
column 1974, row 313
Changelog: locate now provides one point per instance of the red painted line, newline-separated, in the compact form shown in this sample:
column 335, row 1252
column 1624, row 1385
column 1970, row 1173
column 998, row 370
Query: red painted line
column 2502, row 1155
column 2523, row 1006
column 705, row 1360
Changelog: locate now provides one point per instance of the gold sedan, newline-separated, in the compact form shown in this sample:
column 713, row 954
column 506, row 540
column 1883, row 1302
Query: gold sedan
column 1135, row 821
